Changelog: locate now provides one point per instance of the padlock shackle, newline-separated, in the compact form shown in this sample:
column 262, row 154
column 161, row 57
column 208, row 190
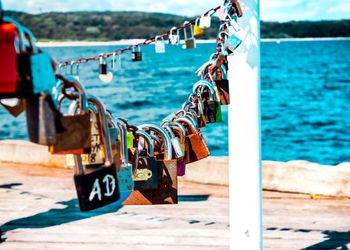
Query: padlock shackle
column 168, row 129
column 148, row 138
column 185, row 30
column 168, row 154
column 19, row 31
column 105, row 135
column 180, row 129
column 73, row 82
column 123, row 130
column 200, row 85
column 31, row 39
column 188, row 122
column 172, row 31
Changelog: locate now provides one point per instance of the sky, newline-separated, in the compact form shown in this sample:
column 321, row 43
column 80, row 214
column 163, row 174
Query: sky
column 271, row 10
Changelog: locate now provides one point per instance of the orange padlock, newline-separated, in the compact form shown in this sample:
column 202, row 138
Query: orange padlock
column 8, row 59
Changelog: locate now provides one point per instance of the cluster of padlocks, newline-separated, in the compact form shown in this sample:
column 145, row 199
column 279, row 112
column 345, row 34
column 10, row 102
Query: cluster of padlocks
column 113, row 161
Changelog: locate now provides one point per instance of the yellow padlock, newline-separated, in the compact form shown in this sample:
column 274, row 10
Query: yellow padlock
column 197, row 31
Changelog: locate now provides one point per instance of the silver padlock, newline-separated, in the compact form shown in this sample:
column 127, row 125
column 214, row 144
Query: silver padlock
column 175, row 142
column 205, row 21
column 159, row 45
column 190, row 42
column 174, row 36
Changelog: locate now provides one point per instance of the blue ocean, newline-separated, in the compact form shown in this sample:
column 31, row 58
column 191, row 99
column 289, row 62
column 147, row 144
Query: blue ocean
column 305, row 96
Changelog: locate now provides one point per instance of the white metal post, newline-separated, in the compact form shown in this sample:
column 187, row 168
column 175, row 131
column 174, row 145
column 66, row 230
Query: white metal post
column 244, row 134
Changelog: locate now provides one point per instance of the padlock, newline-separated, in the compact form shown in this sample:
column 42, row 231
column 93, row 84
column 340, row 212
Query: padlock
column 147, row 173
column 41, row 78
column 219, row 77
column 195, row 104
column 234, row 8
column 73, row 132
column 180, row 131
column 136, row 54
column 210, row 103
column 166, row 192
column 174, row 36
column 196, row 148
column 159, row 44
column 190, row 42
column 197, row 30
column 42, row 118
column 205, row 21
column 231, row 41
column 125, row 172
column 177, row 140
column 97, row 186
column 14, row 106
column 117, row 61
column 114, row 134
column 8, row 59
column 105, row 75
column 222, row 85
column 97, row 154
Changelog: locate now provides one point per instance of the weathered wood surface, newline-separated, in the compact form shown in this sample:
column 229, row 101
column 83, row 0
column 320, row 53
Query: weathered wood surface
column 38, row 210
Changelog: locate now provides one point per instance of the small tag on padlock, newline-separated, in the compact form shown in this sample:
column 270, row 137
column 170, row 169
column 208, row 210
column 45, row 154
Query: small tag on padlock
column 143, row 174
column 175, row 142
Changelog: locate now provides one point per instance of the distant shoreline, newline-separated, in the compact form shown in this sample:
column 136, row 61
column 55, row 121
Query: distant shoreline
column 135, row 41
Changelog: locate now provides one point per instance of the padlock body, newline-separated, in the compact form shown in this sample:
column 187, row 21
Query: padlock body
column 196, row 148
column 98, row 188
column 174, row 39
column 181, row 167
column 136, row 56
column 126, row 182
column 198, row 31
column 8, row 59
column 73, row 135
column 148, row 183
column 210, row 110
column 159, row 47
column 232, row 43
column 43, row 76
column 223, row 91
column 190, row 43
column 166, row 192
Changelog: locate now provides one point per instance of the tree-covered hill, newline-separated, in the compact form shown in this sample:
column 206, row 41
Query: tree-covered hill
column 103, row 26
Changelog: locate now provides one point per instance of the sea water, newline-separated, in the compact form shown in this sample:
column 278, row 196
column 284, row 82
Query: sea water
column 305, row 95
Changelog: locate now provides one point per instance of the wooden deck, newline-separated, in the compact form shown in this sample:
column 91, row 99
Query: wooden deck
column 38, row 210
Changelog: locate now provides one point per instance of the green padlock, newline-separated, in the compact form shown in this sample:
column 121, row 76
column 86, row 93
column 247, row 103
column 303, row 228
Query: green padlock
column 219, row 113
column 130, row 140
column 130, row 137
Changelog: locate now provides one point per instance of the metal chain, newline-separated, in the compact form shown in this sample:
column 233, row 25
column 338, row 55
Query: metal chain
column 148, row 41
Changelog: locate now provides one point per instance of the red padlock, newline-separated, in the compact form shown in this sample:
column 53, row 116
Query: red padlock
column 8, row 59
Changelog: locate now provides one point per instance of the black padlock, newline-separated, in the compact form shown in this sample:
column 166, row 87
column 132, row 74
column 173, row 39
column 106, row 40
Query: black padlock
column 136, row 54
column 147, row 173
column 212, row 108
column 97, row 186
